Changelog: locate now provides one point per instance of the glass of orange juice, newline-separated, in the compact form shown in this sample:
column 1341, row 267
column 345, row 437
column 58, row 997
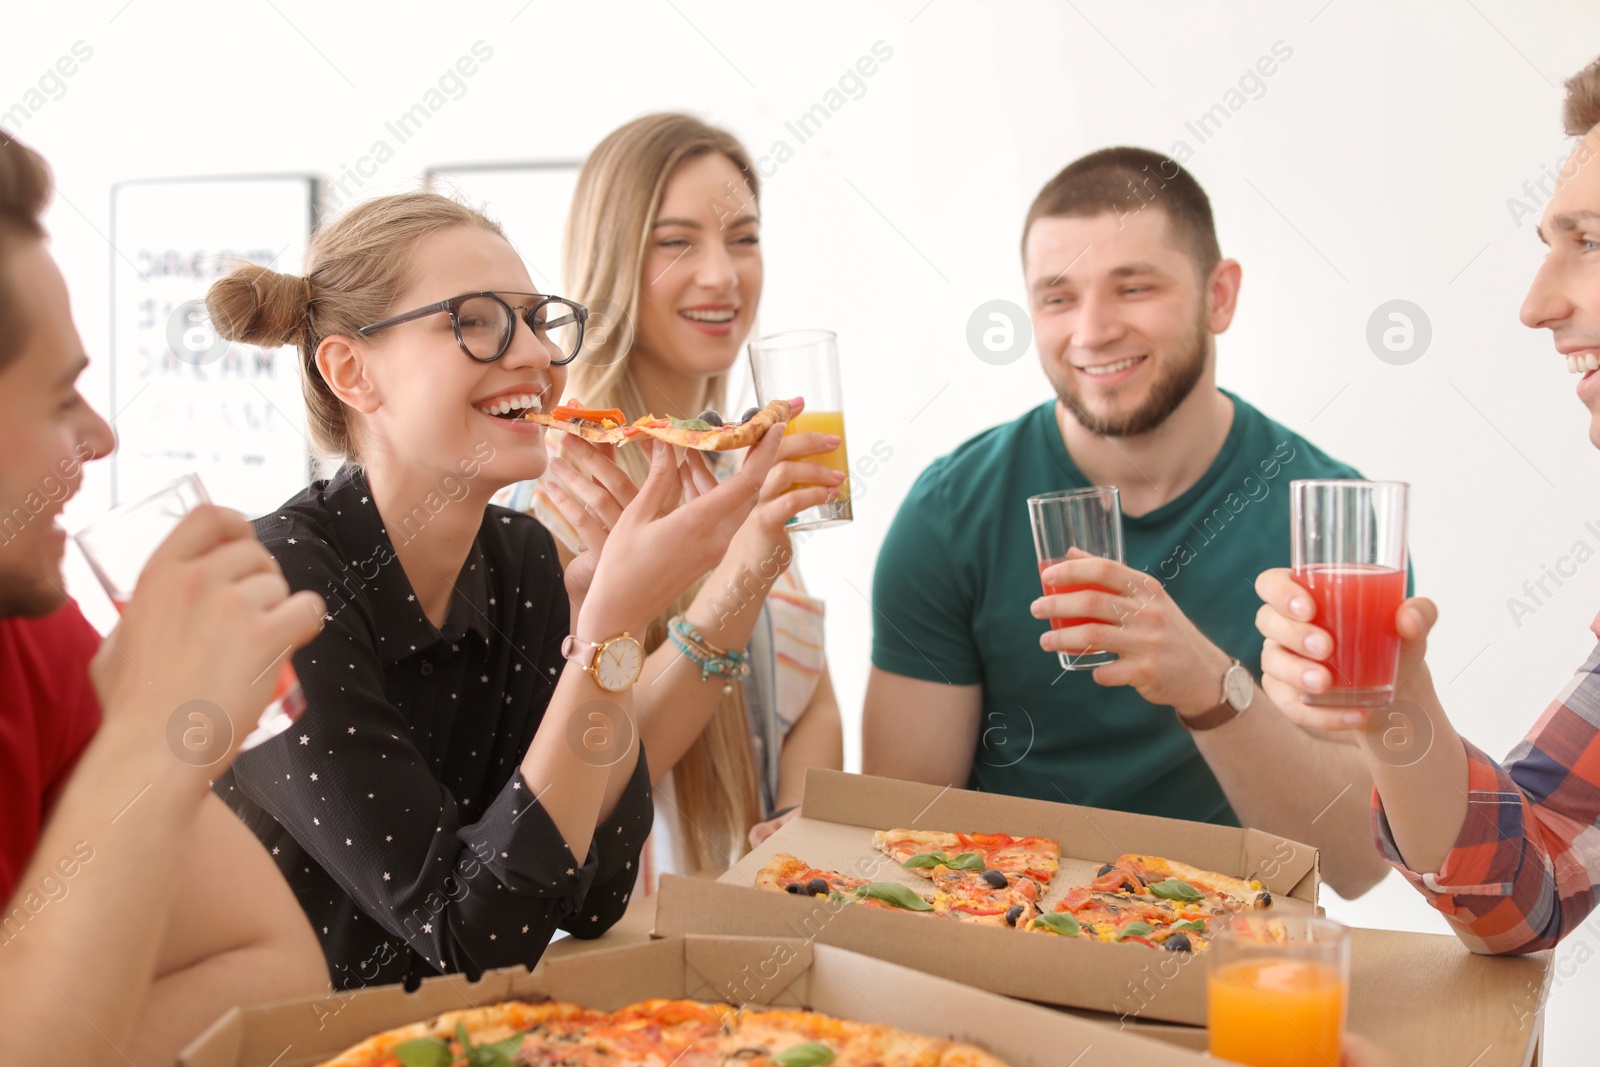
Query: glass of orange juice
column 1276, row 991
column 805, row 363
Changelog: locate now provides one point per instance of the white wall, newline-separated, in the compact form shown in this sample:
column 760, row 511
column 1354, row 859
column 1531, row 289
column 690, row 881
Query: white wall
column 1377, row 164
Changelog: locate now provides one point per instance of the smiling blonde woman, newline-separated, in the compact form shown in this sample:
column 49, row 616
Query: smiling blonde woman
column 663, row 241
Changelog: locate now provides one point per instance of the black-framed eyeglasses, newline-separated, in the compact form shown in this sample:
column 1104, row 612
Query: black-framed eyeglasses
column 485, row 323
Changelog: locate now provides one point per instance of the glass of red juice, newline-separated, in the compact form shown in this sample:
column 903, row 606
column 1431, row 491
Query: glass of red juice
column 119, row 544
column 1089, row 519
column 1348, row 549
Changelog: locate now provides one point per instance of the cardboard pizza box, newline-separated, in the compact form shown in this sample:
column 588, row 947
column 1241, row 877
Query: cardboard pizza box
column 834, row 831
column 756, row 971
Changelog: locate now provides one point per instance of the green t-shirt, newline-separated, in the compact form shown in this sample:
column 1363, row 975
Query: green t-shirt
column 957, row 573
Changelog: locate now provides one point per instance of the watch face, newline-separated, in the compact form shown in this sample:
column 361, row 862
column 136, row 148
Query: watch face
column 1238, row 688
column 619, row 663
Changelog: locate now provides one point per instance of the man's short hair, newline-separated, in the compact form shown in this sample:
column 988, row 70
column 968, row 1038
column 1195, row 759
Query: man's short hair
column 24, row 191
column 1581, row 112
column 1124, row 181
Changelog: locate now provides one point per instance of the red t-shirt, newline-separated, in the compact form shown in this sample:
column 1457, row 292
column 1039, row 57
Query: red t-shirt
column 48, row 714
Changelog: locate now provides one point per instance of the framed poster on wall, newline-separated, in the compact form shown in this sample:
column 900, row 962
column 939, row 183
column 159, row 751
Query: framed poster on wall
column 529, row 200
column 182, row 398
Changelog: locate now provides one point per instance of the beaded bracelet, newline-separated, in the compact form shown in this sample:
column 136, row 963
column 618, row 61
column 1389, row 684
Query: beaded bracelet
column 688, row 639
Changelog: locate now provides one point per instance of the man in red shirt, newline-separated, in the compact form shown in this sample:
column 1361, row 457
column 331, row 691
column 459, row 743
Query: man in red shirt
column 138, row 909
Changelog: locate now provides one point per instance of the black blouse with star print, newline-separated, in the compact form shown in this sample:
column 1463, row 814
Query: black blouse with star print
column 395, row 807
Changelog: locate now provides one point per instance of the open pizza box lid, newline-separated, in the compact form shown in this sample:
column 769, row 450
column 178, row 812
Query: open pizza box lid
column 738, row 970
column 834, row 832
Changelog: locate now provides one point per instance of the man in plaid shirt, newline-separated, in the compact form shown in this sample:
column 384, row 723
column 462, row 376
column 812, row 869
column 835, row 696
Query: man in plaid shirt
column 1510, row 853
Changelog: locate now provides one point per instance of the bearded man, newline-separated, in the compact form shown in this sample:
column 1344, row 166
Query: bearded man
column 1127, row 291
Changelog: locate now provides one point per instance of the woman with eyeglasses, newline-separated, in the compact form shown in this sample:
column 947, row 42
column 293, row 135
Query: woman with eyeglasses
column 466, row 778
column 664, row 241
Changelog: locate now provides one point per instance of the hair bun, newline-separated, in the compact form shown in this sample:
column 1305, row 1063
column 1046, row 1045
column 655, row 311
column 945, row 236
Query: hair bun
column 258, row 306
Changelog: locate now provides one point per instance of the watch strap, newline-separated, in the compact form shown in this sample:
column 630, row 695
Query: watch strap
column 1219, row 714
column 579, row 651
column 1211, row 718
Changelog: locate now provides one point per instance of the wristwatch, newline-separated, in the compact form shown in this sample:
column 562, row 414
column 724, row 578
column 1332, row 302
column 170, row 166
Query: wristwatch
column 1238, row 689
column 615, row 663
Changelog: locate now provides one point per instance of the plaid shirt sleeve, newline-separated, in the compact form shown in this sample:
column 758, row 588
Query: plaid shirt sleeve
column 1524, row 870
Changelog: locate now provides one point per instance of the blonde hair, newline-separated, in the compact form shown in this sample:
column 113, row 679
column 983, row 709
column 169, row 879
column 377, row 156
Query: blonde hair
column 355, row 269
column 1581, row 111
column 614, row 209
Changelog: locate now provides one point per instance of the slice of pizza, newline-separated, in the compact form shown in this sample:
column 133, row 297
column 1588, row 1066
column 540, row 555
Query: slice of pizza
column 787, row 873
column 903, row 846
column 1102, row 915
column 607, row 426
column 1173, row 880
column 1036, row 858
column 705, row 436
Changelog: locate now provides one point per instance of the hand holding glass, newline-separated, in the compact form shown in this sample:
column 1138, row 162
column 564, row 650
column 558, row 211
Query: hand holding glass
column 1087, row 519
column 119, row 545
column 805, row 363
column 1348, row 549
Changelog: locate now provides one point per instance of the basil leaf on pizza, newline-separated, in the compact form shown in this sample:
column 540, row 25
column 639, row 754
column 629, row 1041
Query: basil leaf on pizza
column 1197, row 925
column 810, row 1054
column 1058, row 922
column 496, row 1054
column 966, row 861
column 894, row 893
column 1175, row 889
column 925, row 860
column 424, row 1052
column 689, row 424
column 1135, row 930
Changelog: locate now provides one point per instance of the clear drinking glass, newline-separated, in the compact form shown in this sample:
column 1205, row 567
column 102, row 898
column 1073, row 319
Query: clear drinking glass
column 805, row 363
column 118, row 546
column 1276, row 991
column 1090, row 519
column 1348, row 549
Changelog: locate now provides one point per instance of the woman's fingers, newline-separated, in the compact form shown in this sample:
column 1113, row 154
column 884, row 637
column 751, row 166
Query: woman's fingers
column 591, row 495
column 661, row 489
column 686, row 483
column 787, row 474
column 695, row 462
column 591, row 531
column 562, row 501
column 761, row 456
column 807, row 444
column 598, row 462
column 779, row 510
